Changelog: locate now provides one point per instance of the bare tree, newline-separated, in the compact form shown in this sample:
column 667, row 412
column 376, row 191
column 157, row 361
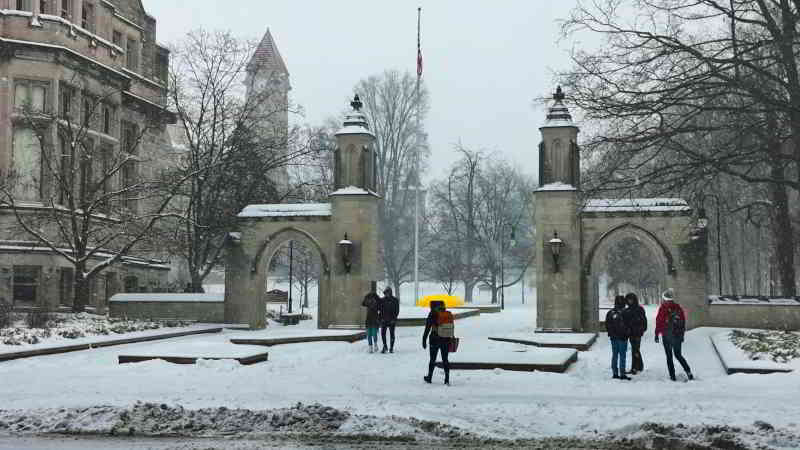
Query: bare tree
column 392, row 106
column 89, row 202
column 686, row 90
column 235, row 142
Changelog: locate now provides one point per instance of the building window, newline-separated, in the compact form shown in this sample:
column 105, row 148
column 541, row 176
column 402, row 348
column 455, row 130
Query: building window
column 66, row 171
column 116, row 38
column 108, row 119
column 87, row 170
column 24, row 5
column 162, row 67
column 26, row 165
column 66, row 101
column 106, row 166
column 26, row 285
column 30, row 95
column 128, row 172
column 133, row 54
column 45, row 6
column 87, row 16
column 111, row 285
column 65, row 286
column 66, row 9
column 88, row 110
column 131, row 284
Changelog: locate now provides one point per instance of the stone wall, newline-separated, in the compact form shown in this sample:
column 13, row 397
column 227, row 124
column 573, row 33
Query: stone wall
column 201, row 310
column 767, row 317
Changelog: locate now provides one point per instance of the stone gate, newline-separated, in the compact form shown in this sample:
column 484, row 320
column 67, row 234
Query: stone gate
column 344, row 233
column 573, row 231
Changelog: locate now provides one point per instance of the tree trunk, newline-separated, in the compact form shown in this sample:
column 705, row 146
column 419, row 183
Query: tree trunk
column 81, row 295
column 469, row 287
column 784, row 237
column 197, row 284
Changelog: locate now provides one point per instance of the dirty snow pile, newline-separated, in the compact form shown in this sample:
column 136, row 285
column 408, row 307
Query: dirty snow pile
column 73, row 326
column 151, row 419
column 778, row 346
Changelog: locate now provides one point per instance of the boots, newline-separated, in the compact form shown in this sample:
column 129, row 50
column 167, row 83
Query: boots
column 371, row 349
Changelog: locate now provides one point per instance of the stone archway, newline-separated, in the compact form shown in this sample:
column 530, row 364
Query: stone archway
column 271, row 244
column 600, row 248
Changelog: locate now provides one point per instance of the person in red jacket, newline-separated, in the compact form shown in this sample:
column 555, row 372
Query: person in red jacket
column 671, row 324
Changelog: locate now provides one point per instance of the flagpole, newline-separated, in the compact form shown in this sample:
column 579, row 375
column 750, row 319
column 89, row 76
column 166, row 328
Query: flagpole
column 416, row 163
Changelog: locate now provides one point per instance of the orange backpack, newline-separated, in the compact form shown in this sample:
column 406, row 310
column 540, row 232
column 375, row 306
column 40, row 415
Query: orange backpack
column 444, row 324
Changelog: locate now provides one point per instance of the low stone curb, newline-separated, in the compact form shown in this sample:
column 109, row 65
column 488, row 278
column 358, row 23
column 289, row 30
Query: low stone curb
column 77, row 347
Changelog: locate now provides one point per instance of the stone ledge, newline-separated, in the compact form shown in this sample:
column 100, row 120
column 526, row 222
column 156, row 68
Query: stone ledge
column 268, row 342
column 245, row 360
column 108, row 343
column 582, row 341
column 512, row 366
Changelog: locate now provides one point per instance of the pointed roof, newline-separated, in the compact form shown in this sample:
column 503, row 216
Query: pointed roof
column 558, row 114
column 267, row 56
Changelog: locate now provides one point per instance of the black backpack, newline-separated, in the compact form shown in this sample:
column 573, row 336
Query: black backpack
column 615, row 324
column 676, row 325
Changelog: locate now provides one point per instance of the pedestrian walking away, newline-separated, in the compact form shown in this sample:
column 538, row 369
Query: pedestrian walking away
column 371, row 301
column 671, row 324
column 439, row 327
column 618, row 332
column 637, row 320
column 388, row 311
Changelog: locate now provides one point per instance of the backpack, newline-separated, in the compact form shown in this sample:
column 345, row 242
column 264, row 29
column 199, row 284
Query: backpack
column 444, row 324
column 615, row 324
column 676, row 325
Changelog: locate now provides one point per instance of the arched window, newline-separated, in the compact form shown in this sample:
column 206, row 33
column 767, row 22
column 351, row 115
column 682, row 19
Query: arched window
column 337, row 168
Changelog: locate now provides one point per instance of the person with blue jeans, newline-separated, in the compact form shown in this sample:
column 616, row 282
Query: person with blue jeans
column 671, row 324
column 371, row 302
column 618, row 331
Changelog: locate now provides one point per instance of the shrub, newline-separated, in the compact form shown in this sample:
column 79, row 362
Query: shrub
column 38, row 318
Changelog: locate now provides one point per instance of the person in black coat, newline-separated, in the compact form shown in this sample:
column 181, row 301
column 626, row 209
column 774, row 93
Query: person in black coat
column 389, row 309
column 617, row 328
column 637, row 322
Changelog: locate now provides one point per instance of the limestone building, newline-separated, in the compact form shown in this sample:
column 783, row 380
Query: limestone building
column 94, row 62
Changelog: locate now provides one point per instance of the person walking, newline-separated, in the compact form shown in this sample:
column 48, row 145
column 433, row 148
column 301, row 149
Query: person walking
column 371, row 301
column 671, row 323
column 618, row 332
column 637, row 320
column 388, row 312
column 439, row 326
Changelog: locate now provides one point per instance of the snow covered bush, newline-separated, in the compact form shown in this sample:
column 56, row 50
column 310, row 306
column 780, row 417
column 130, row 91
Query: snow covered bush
column 779, row 346
column 38, row 318
column 75, row 326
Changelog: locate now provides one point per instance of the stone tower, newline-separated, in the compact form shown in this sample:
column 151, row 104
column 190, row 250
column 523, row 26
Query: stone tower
column 355, row 218
column 557, row 217
column 267, row 88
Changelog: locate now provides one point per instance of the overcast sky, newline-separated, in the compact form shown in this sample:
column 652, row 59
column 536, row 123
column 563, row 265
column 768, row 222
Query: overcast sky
column 485, row 61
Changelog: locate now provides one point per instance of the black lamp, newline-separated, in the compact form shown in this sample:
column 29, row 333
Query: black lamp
column 555, row 248
column 347, row 252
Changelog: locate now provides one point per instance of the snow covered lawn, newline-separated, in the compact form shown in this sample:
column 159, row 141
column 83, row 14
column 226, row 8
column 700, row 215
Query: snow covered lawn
column 503, row 404
column 69, row 329
column 732, row 347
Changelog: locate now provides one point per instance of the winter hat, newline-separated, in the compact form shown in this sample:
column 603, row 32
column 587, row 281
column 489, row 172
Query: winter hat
column 619, row 301
column 388, row 290
column 631, row 296
column 668, row 295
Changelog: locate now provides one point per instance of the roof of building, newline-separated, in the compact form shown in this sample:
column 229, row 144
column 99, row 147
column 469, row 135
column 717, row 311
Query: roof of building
column 558, row 114
column 636, row 204
column 287, row 210
column 267, row 56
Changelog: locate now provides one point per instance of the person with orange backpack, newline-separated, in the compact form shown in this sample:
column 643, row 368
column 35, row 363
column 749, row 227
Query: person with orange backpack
column 439, row 326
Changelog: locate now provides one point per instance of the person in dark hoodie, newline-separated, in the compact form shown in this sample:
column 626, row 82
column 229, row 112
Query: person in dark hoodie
column 388, row 311
column 637, row 322
column 617, row 328
column 371, row 301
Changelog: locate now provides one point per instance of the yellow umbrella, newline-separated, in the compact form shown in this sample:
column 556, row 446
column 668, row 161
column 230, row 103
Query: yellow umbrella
column 449, row 300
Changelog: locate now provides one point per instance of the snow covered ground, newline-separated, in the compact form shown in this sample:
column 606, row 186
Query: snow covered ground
column 493, row 404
